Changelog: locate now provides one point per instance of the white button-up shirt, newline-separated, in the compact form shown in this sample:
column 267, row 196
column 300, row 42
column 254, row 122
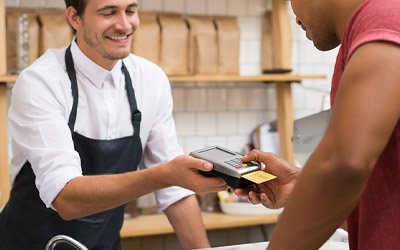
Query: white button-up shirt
column 41, row 104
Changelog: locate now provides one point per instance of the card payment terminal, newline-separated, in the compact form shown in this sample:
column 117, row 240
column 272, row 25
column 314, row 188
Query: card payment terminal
column 229, row 166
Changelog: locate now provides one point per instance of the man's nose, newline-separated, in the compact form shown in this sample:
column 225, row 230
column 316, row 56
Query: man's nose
column 123, row 22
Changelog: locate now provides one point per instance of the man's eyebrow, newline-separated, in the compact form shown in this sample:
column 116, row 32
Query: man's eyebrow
column 107, row 7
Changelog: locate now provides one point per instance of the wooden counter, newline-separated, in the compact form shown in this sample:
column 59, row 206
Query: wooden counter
column 157, row 224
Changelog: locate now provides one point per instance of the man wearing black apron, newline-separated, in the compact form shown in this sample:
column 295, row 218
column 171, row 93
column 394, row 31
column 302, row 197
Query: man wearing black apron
column 89, row 206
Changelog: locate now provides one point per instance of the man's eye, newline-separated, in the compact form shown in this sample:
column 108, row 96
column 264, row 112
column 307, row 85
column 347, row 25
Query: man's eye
column 109, row 13
column 130, row 12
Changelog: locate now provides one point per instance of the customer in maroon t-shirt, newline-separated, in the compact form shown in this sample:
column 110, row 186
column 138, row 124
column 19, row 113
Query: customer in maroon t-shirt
column 354, row 172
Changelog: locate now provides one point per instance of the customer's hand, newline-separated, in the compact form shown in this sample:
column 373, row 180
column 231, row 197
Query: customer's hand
column 274, row 193
column 185, row 173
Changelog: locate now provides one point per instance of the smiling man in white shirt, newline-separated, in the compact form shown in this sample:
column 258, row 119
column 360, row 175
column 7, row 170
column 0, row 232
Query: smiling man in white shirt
column 82, row 119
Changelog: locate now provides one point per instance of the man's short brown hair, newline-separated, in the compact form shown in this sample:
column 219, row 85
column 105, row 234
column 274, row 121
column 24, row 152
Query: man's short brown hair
column 78, row 5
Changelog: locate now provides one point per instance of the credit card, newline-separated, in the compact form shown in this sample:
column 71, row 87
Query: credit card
column 259, row 176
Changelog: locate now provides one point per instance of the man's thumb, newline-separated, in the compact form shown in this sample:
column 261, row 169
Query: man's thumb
column 207, row 166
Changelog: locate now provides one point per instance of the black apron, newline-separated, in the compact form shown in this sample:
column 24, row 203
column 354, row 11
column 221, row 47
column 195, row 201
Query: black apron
column 26, row 223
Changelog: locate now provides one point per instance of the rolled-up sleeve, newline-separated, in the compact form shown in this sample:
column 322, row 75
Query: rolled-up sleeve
column 168, row 196
column 37, row 123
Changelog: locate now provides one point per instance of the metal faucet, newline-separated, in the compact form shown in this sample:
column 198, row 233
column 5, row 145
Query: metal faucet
column 65, row 239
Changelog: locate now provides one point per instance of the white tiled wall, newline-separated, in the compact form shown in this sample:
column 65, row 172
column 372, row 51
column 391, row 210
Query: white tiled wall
column 221, row 113
column 226, row 113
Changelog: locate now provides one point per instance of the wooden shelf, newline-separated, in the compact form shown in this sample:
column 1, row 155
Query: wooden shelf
column 8, row 78
column 239, row 78
column 146, row 225
column 220, row 78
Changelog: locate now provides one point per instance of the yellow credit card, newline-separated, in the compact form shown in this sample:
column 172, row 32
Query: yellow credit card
column 259, row 176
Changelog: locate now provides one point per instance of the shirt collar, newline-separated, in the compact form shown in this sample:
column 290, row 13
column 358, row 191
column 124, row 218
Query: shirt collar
column 92, row 71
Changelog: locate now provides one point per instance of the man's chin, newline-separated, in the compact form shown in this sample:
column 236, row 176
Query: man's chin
column 117, row 56
column 325, row 47
column 124, row 53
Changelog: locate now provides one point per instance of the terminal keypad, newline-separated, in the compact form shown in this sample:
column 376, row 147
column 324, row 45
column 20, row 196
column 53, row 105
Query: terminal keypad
column 237, row 163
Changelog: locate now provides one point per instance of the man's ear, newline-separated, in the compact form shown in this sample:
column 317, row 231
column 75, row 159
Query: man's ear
column 73, row 18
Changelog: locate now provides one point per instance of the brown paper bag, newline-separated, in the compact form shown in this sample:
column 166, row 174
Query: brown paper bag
column 174, row 44
column 55, row 31
column 228, row 34
column 147, row 38
column 12, row 30
column 266, row 43
column 203, row 46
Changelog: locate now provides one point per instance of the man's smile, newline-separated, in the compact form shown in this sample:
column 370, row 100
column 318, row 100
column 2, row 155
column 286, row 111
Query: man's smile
column 119, row 37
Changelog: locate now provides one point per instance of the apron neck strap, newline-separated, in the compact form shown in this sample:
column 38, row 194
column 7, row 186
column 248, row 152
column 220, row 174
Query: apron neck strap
column 69, row 62
column 136, row 115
